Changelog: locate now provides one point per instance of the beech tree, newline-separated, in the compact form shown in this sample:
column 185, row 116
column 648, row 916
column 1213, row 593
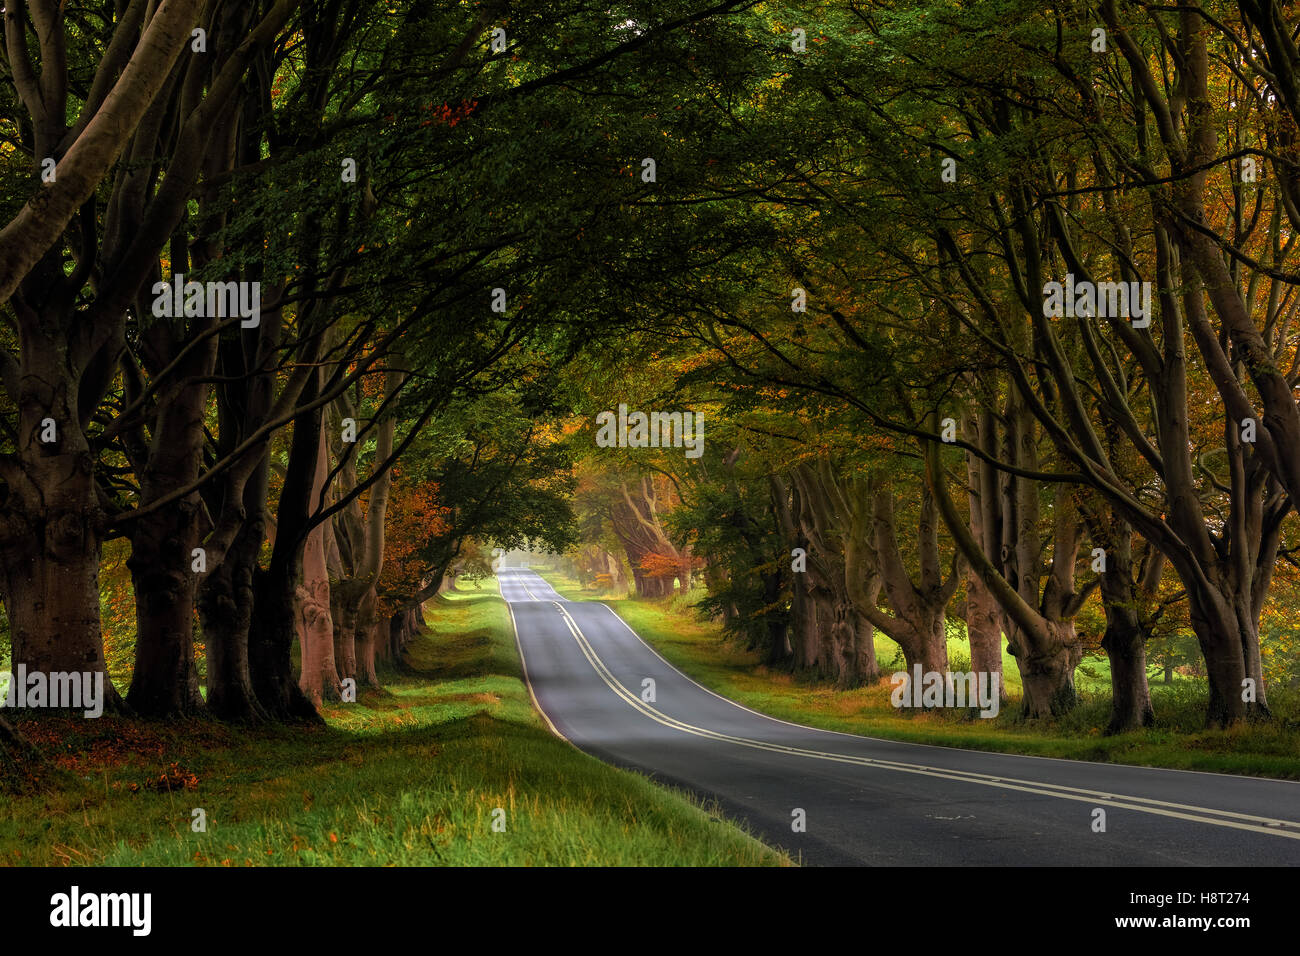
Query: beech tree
column 1106, row 401
column 237, row 108
column 456, row 246
column 68, row 291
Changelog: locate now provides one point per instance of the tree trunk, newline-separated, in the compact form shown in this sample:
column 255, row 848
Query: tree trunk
column 917, row 623
column 635, row 519
column 866, row 669
column 1047, row 674
column 368, row 625
column 315, row 625
column 1122, row 594
column 684, row 571
column 270, row 646
column 777, row 625
column 843, row 584
column 226, row 596
column 165, row 682
column 984, row 630
column 362, row 636
column 345, row 630
column 1125, row 646
column 50, row 552
column 804, row 621
column 273, row 629
column 1225, row 666
column 225, row 603
column 614, row 568
column 984, row 618
column 53, row 605
column 1042, row 639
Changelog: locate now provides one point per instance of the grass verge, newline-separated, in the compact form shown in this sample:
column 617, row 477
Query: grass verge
column 1178, row 740
column 409, row 776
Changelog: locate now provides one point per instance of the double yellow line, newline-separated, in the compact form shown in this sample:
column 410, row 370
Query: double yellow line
column 1221, row 818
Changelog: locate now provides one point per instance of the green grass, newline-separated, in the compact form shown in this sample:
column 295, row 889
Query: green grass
column 1178, row 740
column 408, row 776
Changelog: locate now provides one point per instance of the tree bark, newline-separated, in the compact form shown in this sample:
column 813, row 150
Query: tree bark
column 1043, row 641
column 225, row 602
column 273, row 626
column 919, row 609
column 368, row 646
column 345, row 629
column 315, row 625
column 984, row 618
column 50, row 534
column 166, row 682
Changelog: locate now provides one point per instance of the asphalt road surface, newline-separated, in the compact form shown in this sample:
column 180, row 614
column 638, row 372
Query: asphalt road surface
column 871, row 801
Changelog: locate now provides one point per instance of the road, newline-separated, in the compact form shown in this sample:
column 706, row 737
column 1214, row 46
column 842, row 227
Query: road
column 871, row 801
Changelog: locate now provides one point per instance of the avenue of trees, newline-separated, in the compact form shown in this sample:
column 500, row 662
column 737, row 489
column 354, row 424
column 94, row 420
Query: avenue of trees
column 830, row 228
column 400, row 182
column 894, row 393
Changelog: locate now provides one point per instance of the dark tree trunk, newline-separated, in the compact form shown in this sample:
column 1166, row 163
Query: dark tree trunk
column 53, row 604
column 226, row 611
column 275, row 611
column 777, row 625
column 1125, row 639
column 51, row 580
column 1040, row 633
column 270, row 650
column 1225, row 666
column 651, row 587
column 919, row 607
column 1125, row 645
column 50, row 530
column 165, row 682
column 803, row 617
column 984, row 630
column 226, row 597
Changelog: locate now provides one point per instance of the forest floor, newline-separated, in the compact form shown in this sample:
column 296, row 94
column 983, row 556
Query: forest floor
column 1178, row 739
column 409, row 776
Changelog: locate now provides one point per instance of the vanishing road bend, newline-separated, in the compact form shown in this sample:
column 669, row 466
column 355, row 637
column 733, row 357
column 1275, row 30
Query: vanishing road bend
column 871, row 801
